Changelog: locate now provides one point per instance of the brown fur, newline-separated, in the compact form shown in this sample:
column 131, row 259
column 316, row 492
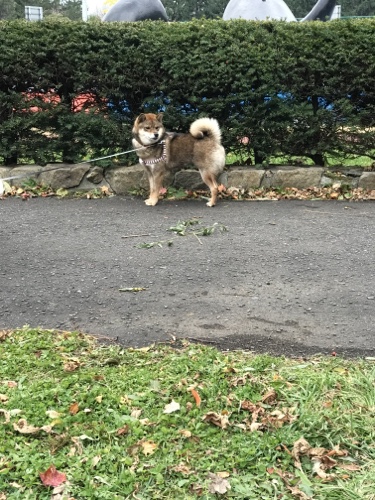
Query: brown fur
column 200, row 147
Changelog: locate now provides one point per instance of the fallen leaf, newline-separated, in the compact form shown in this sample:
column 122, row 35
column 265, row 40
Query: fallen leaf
column 99, row 399
column 71, row 366
column 248, row 406
column 220, row 420
column 95, row 460
column 218, row 484
column 196, row 397
column 300, row 447
column 51, row 477
column 317, row 468
column 24, row 428
column 172, row 407
column 11, row 383
column 74, row 408
column 270, row 397
column 122, row 430
column 349, row 467
column 53, row 414
column 185, row 433
column 223, row 474
column 136, row 413
column 182, row 469
column 4, row 398
column 148, row 447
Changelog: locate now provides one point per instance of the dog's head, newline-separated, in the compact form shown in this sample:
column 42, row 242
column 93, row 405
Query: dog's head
column 148, row 128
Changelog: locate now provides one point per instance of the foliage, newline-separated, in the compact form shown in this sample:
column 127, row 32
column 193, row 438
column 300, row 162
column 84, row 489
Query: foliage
column 7, row 9
column 84, row 420
column 276, row 88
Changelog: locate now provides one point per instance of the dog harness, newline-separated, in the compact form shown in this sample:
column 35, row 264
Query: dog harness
column 163, row 157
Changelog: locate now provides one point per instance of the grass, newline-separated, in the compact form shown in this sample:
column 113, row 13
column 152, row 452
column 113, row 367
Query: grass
column 181, row 421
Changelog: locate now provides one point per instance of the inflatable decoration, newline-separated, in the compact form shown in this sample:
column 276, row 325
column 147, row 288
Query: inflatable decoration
column 261, row 10
column 136, row 10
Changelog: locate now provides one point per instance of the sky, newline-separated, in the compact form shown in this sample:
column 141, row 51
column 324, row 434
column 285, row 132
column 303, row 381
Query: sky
column 95, row 6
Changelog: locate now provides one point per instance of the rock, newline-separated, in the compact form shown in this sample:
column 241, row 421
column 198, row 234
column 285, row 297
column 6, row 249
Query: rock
column 300, row 178
column 4, row 172
column 125, row 179
column 367, row 181
column 95, row 175
column 68, row 176
column 246, row 178
column 26, row 171
column 189, row 179
column 326, row 181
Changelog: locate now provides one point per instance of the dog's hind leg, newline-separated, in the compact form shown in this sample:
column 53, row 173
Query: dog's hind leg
column 210, row 180
column 155, row 178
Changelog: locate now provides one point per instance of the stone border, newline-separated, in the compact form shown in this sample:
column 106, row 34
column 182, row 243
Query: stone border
column 122, row 180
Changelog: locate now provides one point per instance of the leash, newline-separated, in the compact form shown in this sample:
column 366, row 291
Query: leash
column 2, row 189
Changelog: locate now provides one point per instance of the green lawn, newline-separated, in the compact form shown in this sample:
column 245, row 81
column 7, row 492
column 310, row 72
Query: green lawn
column 180, row 421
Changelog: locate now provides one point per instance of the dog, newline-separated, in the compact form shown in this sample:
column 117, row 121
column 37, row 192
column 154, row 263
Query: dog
column 160, row 151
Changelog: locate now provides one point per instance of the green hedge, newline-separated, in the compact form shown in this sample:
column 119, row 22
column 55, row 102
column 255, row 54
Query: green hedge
column 304, row 89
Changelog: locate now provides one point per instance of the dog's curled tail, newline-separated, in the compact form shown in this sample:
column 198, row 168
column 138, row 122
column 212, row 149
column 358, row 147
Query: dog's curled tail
column 206, row 127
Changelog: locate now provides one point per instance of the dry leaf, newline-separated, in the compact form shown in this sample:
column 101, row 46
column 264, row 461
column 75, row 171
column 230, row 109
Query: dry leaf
column 53, row 414
column 196, row 396
column 122, row 430
column 4, row 334
column 248, row 406
column 223, row 474
column 51, row 477
column 136, row 413
column 185, row 433
column 11, row 383
column 300, row 447
column 255, row 426
column 24, row 428
column 317, row 468
column 71, row 366
column 270, row 397
column 218, row 484
column 99, row 399
column 172, row 407
column 349, row 467
column 182, row 469
column 221, row 420
column 95, row 460
column 74, row 408
column 148, row 447
column 6, row 415
column 4, row 398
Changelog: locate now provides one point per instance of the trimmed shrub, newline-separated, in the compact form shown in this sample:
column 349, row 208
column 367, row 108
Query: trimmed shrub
column 302, row 89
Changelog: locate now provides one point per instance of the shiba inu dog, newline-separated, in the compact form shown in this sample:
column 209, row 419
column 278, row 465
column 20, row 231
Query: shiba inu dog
column 161, row 151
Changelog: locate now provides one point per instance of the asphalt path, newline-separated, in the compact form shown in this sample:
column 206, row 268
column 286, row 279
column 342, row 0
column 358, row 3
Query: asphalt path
column 288, row 277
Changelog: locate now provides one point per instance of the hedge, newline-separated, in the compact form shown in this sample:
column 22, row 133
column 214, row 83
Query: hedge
column 304, row 89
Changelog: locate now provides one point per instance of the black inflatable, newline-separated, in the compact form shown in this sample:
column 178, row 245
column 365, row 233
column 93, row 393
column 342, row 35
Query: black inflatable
column 275, row 9
column 136, row 10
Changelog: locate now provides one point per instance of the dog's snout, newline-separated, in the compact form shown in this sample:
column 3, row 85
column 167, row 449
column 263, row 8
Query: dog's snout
column 156, row 135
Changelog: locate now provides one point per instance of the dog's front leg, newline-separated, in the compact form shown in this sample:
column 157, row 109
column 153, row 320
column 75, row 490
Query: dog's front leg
column 155, row 178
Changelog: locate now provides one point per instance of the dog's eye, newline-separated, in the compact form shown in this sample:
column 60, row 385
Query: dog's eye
column 147, row 128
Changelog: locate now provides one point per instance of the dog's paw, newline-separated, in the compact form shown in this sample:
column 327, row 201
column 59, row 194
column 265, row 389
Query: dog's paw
column 151, row 202
column 210, row 204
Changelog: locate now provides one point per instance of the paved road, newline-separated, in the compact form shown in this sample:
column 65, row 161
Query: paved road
column 289, row 277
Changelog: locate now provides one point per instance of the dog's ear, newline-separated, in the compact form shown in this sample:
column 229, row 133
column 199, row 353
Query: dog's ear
column 159, row 117
column 141, row 118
